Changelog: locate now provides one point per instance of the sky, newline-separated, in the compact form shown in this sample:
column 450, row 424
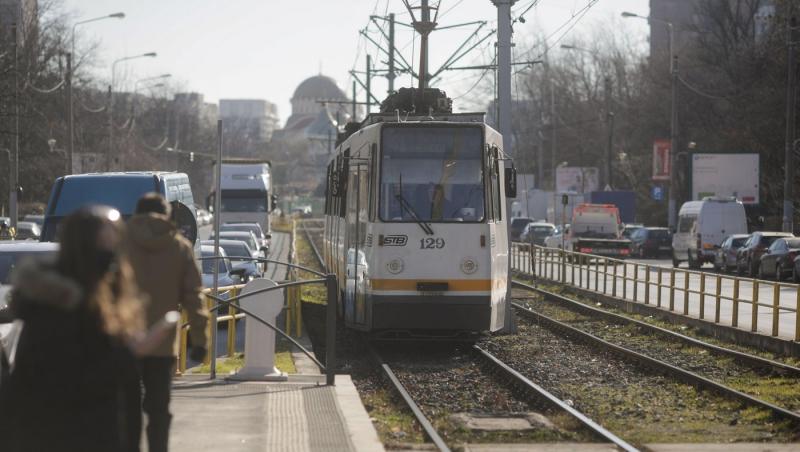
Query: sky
column 263, row 49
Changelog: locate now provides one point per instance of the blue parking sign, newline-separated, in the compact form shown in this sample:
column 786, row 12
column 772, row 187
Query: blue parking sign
column 657, row 193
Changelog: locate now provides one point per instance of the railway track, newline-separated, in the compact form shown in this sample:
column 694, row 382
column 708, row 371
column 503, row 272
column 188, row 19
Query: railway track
column 312, row 240
column 659, row 365
column 535, row 394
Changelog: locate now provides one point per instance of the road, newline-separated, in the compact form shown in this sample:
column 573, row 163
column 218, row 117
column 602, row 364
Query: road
column 713, row 291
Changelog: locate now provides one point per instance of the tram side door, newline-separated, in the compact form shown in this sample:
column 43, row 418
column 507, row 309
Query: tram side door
column 356, row 263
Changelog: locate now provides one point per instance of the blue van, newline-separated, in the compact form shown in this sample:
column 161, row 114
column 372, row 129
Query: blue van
column 118, row 190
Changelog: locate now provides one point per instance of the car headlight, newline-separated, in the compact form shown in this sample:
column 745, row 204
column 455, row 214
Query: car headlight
column 395, row 266
column 469, row 266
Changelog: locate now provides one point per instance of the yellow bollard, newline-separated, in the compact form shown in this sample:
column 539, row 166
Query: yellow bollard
column 232, row 325
column 735, row 320
column 754, row 322
column 209, row 346
column 776, row 307
column 183, row 343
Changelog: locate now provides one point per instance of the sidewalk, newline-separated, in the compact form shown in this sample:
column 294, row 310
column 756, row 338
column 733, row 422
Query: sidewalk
column 298, row 415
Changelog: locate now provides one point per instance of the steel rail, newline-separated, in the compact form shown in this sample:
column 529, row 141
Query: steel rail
column 313, row 245
column 666, row 368
column 426, row 425
column 741, row 356
column 555, row 401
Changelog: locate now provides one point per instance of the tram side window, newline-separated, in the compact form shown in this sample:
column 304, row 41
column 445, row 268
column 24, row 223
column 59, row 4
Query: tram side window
column 497, row 207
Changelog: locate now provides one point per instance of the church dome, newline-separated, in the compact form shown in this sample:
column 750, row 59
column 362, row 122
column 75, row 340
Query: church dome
column 318, row 87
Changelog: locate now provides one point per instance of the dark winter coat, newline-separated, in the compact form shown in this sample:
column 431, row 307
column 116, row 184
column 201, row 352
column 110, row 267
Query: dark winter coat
column 64, row 392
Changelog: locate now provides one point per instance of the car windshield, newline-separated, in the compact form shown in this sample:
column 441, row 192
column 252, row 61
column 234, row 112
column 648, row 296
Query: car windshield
column 519, row 223
column 8, row 261
column 208, row 265
column 659, row 233
column 541, row 231
column 233, row 235
column 738, row 243
column 767, row 240
column 234, row 250
column 432, row 173
column 242, row 227
column 118, row 192
column 793, row 243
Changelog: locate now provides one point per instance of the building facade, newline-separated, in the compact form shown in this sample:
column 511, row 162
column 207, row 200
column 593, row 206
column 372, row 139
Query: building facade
column 252, row 119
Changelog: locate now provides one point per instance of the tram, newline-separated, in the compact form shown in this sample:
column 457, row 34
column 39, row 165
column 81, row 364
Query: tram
column 415, row 219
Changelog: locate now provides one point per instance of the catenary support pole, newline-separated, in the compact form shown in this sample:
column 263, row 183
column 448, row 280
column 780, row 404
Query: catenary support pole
column 608, row 168
column 391, row 74
column 70, row 117
column 791, row 120
column 13, row 200
column 369, row 84
column 355, row 104
column 672, row 207
column 504, row 32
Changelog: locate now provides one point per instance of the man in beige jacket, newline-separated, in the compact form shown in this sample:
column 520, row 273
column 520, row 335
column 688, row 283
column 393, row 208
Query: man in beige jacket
column 168, row 278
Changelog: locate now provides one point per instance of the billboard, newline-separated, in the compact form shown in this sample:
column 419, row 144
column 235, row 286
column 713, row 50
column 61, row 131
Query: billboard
column 661, row 159
column 725, row 174
column 576, row 179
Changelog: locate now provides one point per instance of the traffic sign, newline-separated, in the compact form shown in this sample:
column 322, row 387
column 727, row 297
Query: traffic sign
column 657, row 193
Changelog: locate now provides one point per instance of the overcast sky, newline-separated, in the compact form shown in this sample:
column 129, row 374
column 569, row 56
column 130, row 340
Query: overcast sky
column 265, row 48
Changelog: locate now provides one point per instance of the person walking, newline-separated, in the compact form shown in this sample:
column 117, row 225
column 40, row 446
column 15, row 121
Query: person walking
column 167, row 276
column 66, row 389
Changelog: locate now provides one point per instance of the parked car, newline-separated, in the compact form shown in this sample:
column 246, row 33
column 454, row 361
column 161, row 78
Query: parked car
column 262, row 238
column 518, row 225
column 537, row 233
column 630, row 228
column 556, row 240
column 245, row 236
column 28, row 230
column 749, row 255
column 778, row 260
column 228, row 276
column 236, row 250
column 725, row 255
column 651, row 242
column 703, row 226
column 11, row 254
column 38, row 219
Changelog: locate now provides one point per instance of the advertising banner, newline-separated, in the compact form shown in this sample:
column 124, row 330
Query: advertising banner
column 725, row 175
column 661, row 159
column 576, row 179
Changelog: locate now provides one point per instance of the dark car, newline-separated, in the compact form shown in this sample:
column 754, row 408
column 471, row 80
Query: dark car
column 749, row 255
column 725, row 255
column 517, row 226
column 651, row 242
column 778, row 260
column 629, row 229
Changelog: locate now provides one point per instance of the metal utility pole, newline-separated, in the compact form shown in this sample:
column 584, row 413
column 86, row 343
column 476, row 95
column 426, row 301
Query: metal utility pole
column 70, row 117
column 672, row 209
column 504, row 70
column 369, row 83
column 217, row 221
column 110, row 125
column 391, row 74
column 355, row 103
column 13, row 204
column 608, row 167
column 791, row 120
column 553, row 133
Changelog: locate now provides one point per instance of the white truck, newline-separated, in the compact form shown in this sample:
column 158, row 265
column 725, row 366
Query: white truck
column 596, row 229
column 247, row 196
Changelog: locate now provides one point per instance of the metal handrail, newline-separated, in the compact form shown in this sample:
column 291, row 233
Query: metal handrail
column 553, row 263
column 263, row 260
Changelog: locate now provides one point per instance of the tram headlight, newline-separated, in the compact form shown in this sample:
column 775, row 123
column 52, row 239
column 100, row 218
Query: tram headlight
column 469, row 266
column 395, row 266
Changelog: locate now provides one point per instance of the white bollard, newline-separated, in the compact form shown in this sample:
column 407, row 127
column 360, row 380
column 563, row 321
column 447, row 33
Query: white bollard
column 259, row 342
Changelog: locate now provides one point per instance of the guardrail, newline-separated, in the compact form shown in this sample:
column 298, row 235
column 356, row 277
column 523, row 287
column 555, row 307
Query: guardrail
column 216, row 302
column 688, row 292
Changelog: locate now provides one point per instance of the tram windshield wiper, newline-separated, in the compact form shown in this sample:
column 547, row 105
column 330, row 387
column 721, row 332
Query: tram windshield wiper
column 410, row 209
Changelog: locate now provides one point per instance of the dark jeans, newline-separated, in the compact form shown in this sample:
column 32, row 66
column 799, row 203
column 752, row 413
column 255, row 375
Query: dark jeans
column 156, row 381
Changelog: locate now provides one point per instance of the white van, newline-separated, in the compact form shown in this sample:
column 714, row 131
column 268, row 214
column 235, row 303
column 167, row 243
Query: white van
column 703, row 226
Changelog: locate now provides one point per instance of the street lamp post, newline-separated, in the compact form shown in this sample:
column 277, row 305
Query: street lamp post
column 673, row 154
column 70, row 112
column 110, row 107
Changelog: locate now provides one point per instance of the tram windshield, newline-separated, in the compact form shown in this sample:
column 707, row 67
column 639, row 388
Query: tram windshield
column 432, row 174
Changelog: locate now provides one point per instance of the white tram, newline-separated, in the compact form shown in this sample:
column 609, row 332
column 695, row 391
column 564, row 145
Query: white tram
column 415, row 224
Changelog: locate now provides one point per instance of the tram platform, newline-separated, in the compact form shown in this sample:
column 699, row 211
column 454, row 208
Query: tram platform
column 299, row 415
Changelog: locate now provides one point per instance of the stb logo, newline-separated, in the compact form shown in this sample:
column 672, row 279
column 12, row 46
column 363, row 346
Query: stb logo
column 395, row 240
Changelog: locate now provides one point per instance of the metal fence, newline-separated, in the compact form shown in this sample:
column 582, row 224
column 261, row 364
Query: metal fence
column 724, row 299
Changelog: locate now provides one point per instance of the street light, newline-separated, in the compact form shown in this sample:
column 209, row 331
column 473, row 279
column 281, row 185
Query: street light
column 111, row 101
column 70, row 113
column 673, row 70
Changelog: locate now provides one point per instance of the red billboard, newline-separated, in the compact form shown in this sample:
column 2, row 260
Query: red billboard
column 661, row 159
